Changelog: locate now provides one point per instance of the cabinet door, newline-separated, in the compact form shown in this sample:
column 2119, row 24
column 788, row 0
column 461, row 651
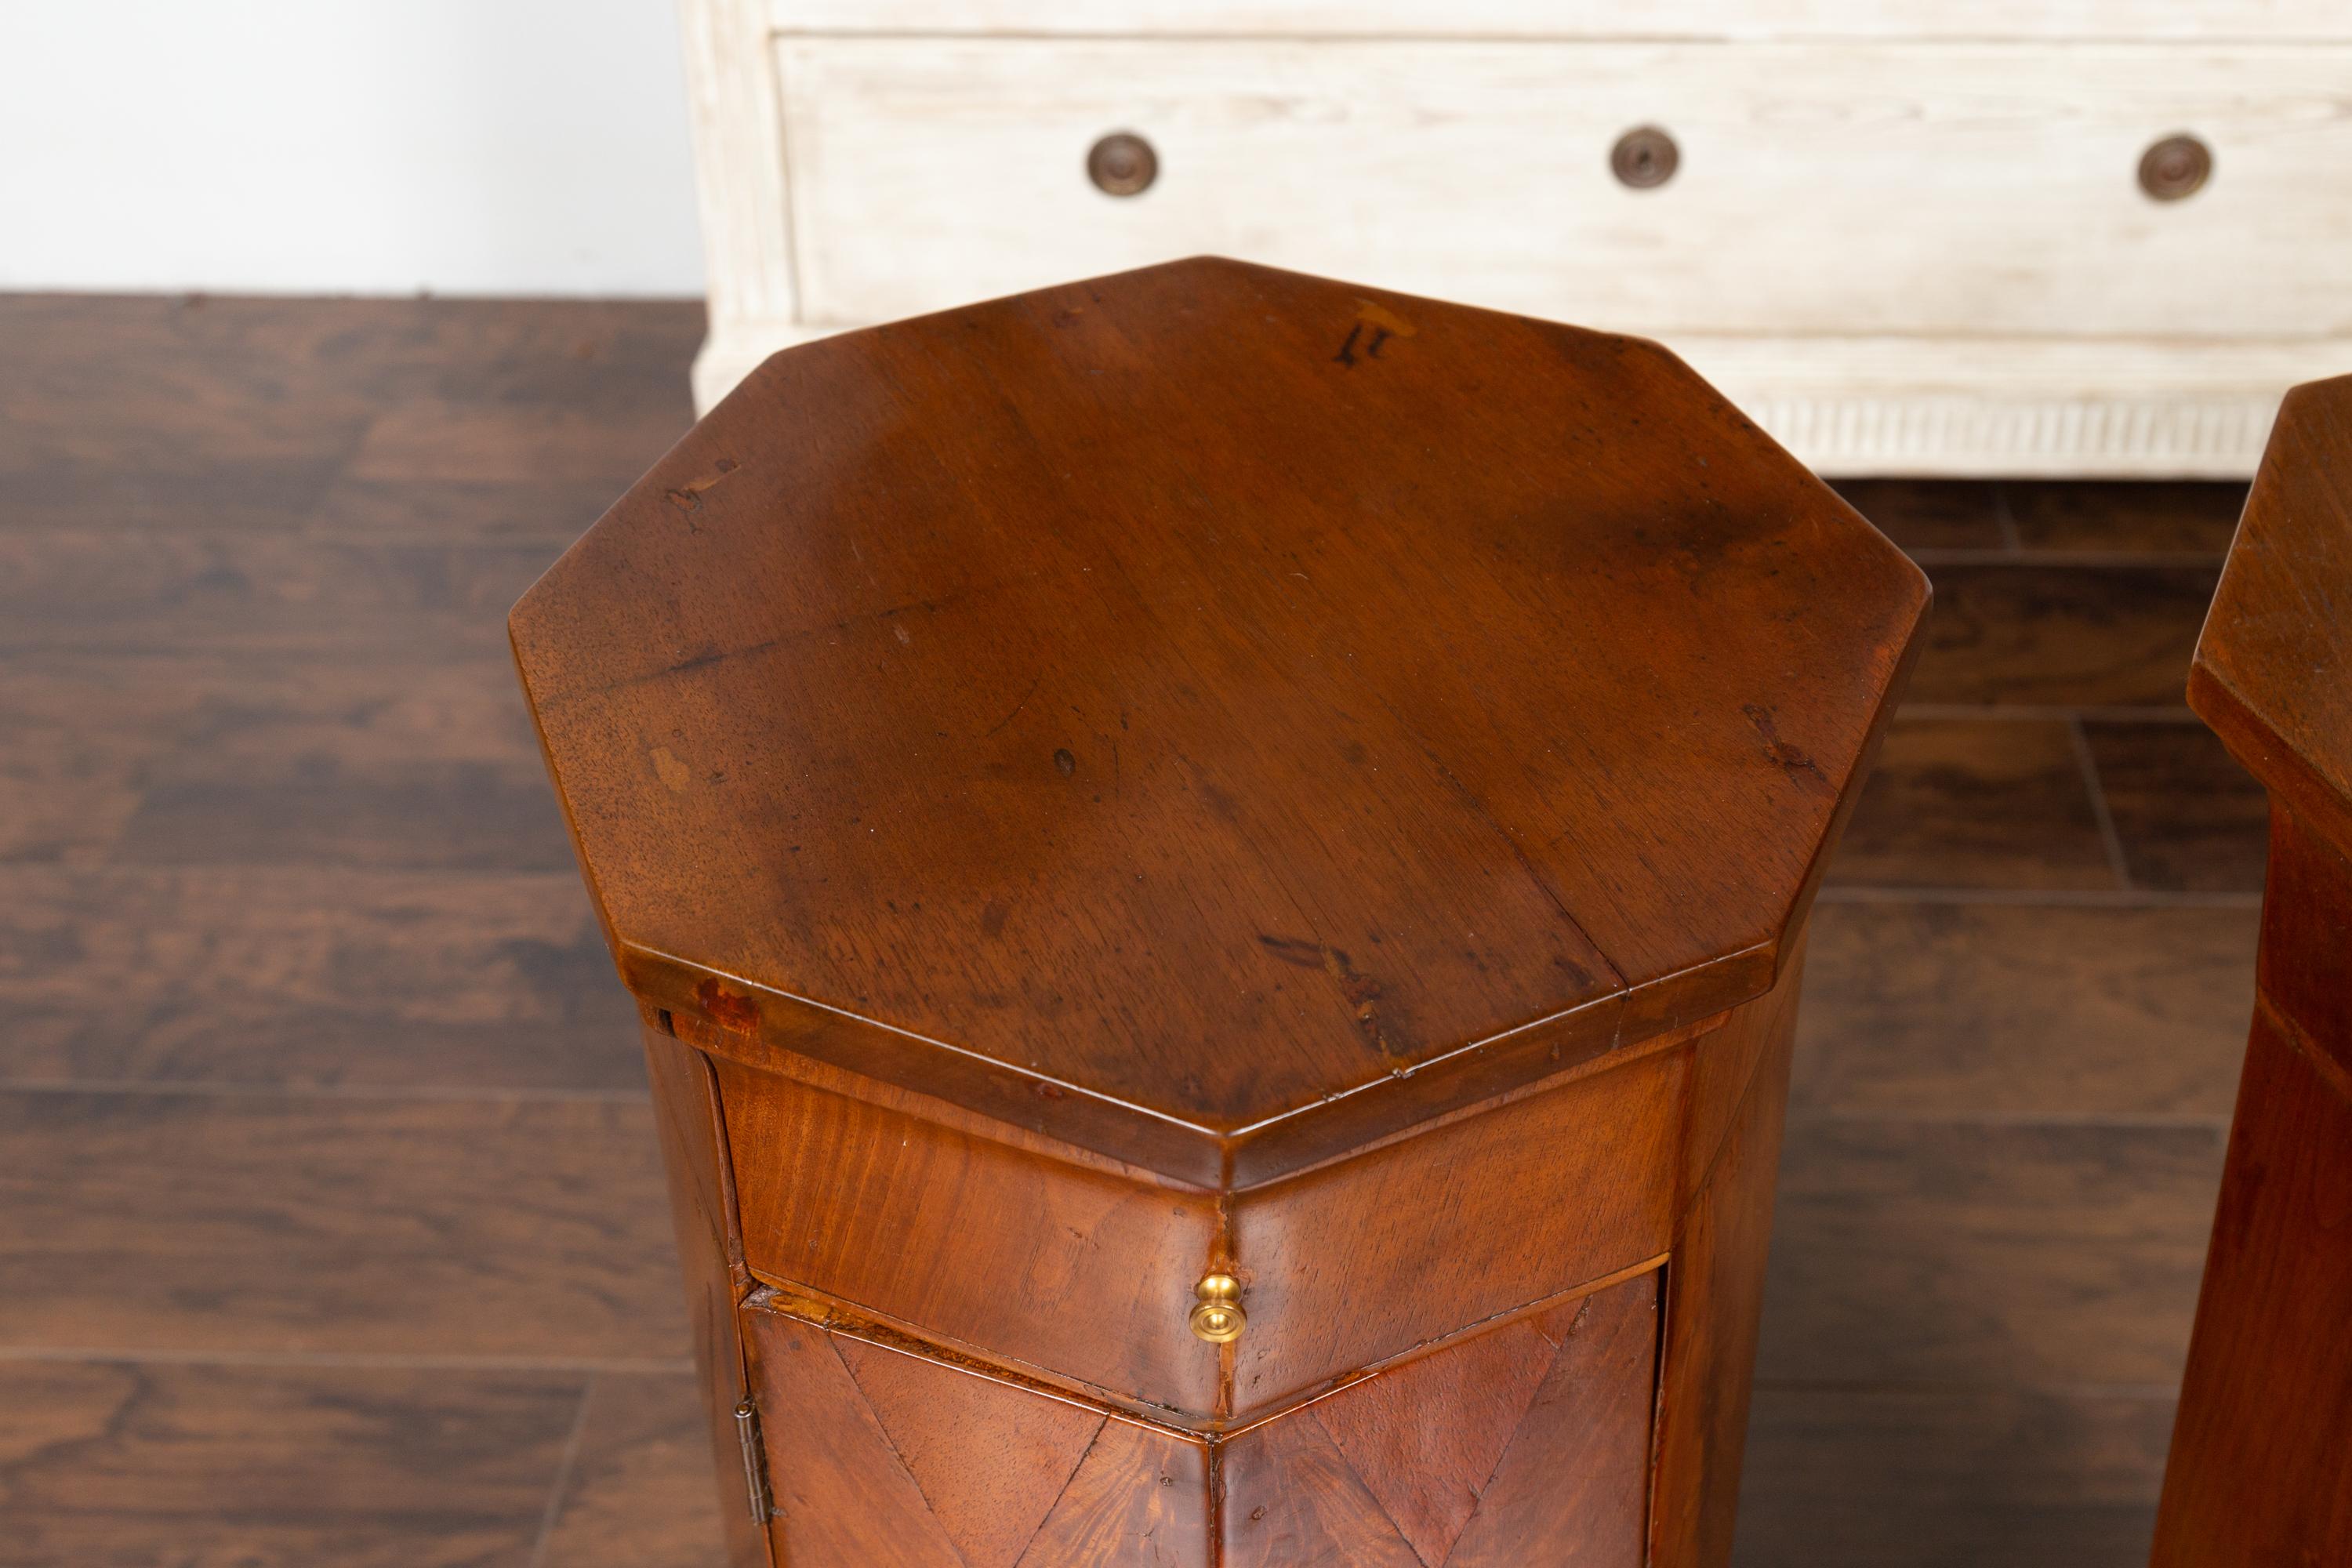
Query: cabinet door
column 1525, row 1444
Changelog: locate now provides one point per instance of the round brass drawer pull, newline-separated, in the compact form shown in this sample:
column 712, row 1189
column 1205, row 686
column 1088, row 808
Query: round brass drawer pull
column 1217, row 1315
column 1122, row 165
column 1644, row 158
column 2176, row 167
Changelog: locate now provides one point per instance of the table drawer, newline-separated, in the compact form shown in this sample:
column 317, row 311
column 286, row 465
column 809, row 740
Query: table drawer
column 1950, row 189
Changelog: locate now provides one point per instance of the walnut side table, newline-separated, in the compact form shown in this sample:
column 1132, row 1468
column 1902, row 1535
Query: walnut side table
column 2259, row 1475
column 1215, row 867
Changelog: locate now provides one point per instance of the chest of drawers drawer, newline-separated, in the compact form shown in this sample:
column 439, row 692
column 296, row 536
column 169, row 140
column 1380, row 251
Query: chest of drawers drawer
column 1818, row 189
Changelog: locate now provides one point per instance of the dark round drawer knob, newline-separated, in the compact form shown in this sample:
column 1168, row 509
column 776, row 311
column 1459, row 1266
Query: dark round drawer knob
column 2175, row 168
column 1644, row 157
column 1122, row 165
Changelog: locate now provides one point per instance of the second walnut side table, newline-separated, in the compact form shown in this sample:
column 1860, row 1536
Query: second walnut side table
column 1215, row 867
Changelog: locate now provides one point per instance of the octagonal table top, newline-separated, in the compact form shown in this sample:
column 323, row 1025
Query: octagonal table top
column 2273, row 673
column 1211, row 707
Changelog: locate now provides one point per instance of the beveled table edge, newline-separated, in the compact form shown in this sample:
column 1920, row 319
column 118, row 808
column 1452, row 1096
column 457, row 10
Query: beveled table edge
column 744, row 1021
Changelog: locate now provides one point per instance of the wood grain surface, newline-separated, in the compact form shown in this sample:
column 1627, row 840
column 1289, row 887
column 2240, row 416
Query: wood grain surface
column 262, row 1224
column 2031, row 630
column 2187, row 817
column 2047, row 1478
column 357, row 978
column 1954, row 1010
column 310, row 976
column 295, row 965
column 2014, row 1070
column 119, row 1462
column 1962, row 803
column 1966, row 1252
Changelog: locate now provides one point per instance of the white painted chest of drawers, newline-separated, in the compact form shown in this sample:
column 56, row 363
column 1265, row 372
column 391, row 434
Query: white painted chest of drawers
column 1909, row 236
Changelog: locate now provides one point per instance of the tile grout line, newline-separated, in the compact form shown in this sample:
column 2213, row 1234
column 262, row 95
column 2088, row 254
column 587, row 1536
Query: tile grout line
column 563, row 1469
column 2105, row 817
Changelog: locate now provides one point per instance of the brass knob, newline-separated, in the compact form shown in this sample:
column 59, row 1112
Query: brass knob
column 1122, row 165
column 1217, row 1315
column 2175, row 168
column 1644, row 157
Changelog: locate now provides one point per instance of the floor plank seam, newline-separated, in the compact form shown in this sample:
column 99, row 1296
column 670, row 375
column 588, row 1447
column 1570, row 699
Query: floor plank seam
column 358, row 1361
column 2050, row 713
column 427, row 1093
column 2218, row 1125
column 2028, row 556
column 2057, row 898
column 563, row 1469
column 1935, row 1388
column 2101, row 813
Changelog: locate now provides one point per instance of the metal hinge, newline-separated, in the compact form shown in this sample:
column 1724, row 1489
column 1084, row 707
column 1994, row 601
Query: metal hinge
column 755, row 1467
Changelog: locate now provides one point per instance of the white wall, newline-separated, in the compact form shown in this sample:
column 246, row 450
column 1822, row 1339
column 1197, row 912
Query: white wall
column 345, row 146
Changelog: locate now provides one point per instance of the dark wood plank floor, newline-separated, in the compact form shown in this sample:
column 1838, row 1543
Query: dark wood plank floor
column 331, row 1228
